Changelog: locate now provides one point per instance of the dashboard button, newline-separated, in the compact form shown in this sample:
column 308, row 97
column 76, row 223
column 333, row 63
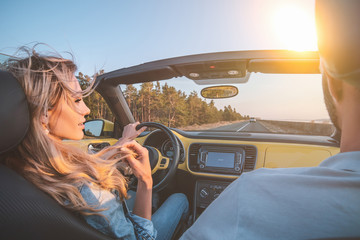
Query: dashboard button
column 204, row 192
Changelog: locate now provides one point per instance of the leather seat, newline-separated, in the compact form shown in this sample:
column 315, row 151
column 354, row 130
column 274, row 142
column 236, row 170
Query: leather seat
column 25, row 211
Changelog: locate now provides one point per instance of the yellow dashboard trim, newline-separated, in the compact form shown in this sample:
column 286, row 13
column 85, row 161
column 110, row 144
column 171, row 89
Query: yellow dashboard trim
column 84, row 143
column 269, row 154
column 290, row 151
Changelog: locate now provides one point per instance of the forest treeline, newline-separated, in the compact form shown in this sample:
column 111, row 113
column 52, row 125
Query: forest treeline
column 153, row 102
column 95, row 102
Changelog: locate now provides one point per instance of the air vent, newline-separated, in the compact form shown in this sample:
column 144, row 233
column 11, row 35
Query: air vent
column 193, row 155
column 250, row 158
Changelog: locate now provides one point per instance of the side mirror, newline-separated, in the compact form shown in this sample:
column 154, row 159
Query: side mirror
column 94, row 128
column 217, row 92
column 99, row 128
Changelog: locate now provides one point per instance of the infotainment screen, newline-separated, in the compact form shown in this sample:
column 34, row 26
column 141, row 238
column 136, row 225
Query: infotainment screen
column 222, row 160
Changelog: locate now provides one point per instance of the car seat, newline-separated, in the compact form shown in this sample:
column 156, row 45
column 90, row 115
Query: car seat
column 25, row 211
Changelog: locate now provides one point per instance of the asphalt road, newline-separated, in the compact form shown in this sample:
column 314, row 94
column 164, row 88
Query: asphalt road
column 246, row 126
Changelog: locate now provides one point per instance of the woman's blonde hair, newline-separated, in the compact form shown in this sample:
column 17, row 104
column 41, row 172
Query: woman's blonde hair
column 57, row 169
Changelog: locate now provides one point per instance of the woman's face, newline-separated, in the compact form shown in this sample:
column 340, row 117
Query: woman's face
column 66, row 120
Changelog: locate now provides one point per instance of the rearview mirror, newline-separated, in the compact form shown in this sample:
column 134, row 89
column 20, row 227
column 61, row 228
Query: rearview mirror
column 217, row 92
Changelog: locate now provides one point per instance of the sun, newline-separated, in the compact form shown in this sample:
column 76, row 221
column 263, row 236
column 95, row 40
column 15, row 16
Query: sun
column 296, row 28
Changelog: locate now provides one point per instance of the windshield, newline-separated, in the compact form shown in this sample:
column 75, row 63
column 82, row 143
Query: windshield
column 267, row 103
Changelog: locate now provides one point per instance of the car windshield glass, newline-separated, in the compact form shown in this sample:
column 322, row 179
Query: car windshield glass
column 267, row 103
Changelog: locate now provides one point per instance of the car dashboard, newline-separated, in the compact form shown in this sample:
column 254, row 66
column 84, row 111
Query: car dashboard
column 211, row 160
column 248, row 151
column 215, row 159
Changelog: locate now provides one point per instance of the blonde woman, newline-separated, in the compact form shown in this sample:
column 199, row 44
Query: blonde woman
column 90, row 185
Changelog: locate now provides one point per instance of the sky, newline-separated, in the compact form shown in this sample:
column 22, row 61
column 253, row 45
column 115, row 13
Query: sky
column 112, row 34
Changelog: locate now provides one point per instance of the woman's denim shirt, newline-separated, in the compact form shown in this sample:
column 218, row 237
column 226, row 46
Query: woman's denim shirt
column 120, row 223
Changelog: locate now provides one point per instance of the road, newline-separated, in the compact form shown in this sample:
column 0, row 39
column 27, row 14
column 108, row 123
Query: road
column 246, row 126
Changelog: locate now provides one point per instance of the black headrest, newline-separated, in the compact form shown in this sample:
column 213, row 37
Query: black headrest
column 14, row 112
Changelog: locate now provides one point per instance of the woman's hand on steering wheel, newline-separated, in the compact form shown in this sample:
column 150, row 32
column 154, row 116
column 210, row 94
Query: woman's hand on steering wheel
column 130, row 133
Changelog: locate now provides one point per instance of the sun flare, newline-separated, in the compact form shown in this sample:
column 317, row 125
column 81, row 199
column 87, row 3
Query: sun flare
column 295, row 28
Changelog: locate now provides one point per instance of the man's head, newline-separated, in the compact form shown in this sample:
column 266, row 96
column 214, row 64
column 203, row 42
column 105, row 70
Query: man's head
column 339, row 47
column 338, row 38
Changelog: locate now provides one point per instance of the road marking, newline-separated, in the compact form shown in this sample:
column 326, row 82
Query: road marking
column 242, row 127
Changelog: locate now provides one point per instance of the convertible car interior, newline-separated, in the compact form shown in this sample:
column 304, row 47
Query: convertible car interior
column 199, row 139
column 210, row 159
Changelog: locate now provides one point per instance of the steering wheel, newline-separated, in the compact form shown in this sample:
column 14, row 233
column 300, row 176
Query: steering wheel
column 160, row 162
